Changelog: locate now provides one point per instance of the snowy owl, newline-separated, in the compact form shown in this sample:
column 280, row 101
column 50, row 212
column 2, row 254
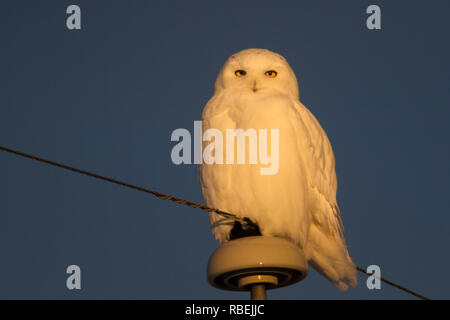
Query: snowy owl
column 256, row 88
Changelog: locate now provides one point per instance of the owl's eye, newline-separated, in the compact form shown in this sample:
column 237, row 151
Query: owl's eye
column 271, row 73
column 240, row 73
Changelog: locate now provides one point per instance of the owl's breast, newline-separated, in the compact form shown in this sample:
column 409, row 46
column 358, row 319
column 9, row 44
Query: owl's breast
column 272, row 199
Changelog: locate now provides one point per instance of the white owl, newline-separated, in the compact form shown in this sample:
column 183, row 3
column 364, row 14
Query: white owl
column 256, row 88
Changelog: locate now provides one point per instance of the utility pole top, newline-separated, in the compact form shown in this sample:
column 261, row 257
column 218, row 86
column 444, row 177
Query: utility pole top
column 255, row 264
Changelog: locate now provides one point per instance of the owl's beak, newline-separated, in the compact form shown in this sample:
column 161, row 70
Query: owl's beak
column 254, row 89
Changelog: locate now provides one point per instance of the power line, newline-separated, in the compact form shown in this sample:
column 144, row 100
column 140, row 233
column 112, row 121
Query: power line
column 189, row 203
column 128, row 185
column 393, row 284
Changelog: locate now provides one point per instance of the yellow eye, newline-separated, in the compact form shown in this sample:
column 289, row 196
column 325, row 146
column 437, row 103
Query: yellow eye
column 271, row 73
column 240, row 73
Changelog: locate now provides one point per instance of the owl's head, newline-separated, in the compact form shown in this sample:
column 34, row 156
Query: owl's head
column 256, row 70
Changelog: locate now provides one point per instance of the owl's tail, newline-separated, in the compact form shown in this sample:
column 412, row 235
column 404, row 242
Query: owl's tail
column 328, row 255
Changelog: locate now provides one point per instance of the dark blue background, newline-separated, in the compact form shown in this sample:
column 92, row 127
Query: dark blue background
column 106, row 98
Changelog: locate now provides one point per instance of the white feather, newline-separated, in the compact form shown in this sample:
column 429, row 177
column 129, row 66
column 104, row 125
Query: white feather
column 299, row 202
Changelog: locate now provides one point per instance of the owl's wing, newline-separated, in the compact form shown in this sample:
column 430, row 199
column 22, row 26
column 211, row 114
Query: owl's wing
column 326, row 248
column 319, row 160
